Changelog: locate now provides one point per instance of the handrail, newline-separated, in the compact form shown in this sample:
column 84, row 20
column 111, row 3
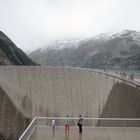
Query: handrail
column 23, row 136
column 34, row 123
column 120, row 119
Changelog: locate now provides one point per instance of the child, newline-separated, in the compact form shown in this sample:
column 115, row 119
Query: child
column 53, row 124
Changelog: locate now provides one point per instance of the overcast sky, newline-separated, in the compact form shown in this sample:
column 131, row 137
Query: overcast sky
column 34, row 23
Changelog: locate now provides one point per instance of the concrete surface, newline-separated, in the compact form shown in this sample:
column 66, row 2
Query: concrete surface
column 51, row 91
column 12, row 122
column 88, row 134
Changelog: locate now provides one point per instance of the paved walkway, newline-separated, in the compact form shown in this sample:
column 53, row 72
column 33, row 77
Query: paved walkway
column 88, row 134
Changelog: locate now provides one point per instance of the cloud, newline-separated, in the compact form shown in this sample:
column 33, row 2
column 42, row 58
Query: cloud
column 33, row 23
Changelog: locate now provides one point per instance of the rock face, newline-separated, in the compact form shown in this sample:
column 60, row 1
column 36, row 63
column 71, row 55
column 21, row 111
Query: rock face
column 12, row 122
column 108, row 50
column 10, row 54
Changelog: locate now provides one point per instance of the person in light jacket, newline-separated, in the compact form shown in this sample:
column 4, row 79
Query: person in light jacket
column 53, row 124
column 67, row 123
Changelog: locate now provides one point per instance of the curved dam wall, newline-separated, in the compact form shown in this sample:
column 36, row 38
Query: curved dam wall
column 48, row 91
column 51, row 91
column 26, row 92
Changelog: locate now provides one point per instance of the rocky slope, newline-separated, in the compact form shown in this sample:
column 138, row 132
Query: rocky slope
column 10, row 54
column 108, row 50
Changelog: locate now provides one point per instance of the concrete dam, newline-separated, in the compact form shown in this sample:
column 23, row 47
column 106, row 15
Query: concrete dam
column 26, row 92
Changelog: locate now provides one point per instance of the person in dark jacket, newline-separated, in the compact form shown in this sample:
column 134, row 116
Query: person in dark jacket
column 80, row 123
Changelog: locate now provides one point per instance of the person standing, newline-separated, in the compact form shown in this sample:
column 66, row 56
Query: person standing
column 80, row 123
column 67, row 123
column 53, row 124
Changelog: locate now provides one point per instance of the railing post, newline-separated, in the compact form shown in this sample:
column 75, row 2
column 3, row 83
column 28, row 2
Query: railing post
column 102, row 122
column 124, row 123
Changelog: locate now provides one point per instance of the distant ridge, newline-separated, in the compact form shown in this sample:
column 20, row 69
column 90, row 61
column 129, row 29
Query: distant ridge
column 105, row 51
column 10, row 54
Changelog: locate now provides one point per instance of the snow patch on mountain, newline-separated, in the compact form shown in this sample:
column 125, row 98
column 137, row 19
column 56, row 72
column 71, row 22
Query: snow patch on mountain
column 75, row 43
column 125, row 33
column 61, row 44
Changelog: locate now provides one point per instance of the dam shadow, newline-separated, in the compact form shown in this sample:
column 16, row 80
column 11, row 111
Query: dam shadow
column 123, row 102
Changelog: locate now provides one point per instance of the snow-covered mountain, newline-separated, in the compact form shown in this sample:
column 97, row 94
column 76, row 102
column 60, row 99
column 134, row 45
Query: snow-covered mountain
column 60, row 44
column 125, row 33
column 113, row 50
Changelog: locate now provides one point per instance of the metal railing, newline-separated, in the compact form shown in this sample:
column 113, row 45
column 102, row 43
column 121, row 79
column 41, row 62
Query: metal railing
column 29, row 130
column 88, row 122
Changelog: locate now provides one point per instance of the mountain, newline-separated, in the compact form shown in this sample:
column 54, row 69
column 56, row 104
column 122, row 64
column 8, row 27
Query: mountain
column 10, row 54
column 108, row 50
